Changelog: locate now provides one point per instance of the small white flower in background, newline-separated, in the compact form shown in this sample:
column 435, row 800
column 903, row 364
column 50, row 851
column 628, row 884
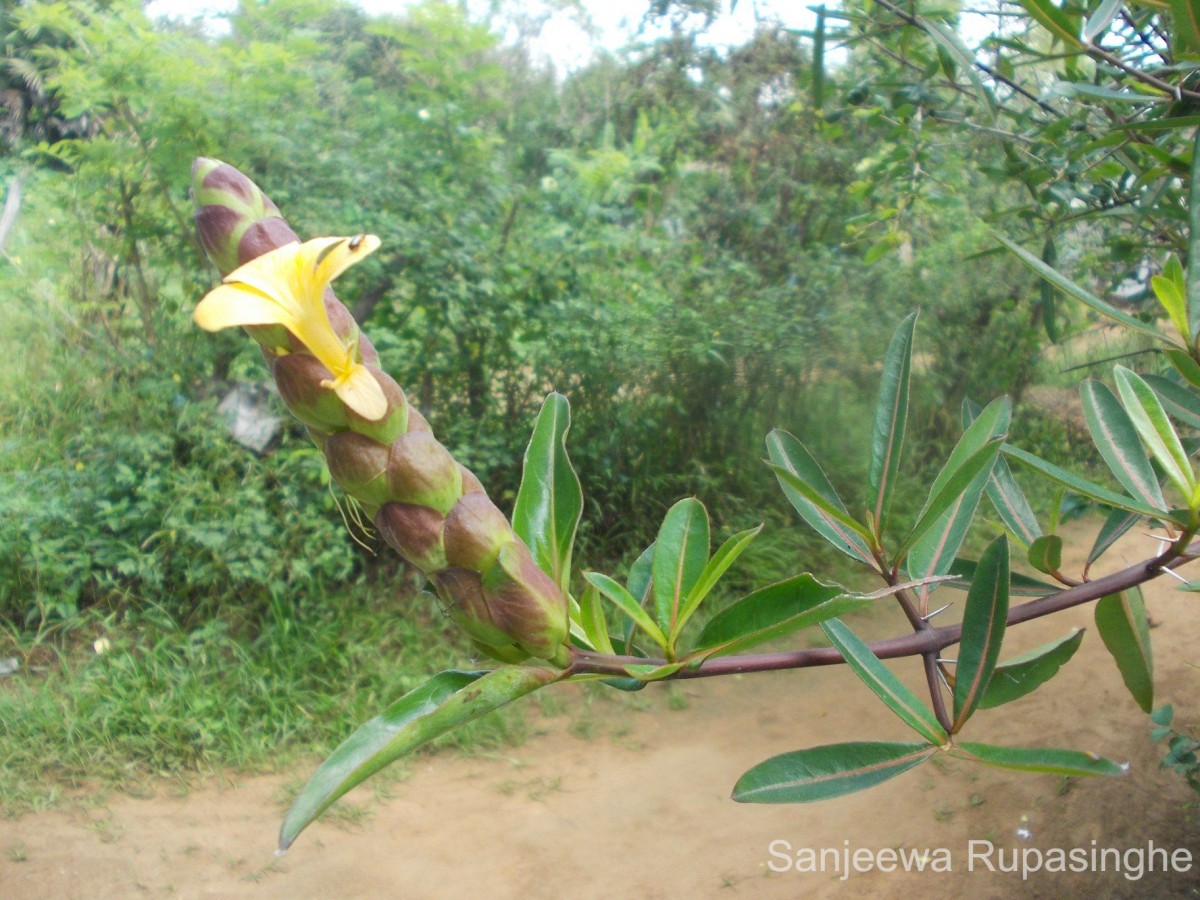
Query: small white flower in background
column 424, row 115
column 101, row 645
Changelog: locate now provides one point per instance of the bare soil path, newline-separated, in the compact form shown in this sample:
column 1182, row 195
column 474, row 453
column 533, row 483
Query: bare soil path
column 630, row 798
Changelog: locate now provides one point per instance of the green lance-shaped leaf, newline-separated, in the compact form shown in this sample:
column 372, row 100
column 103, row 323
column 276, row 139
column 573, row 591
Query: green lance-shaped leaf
column 1005, row 494
column 439, row 705
column 1063, row 26
column 1193, row 254
column 820, row 773
column 1024, row 674
column 775, row 611
column 1045, row 554
column 886, row 686
column 725, row 557
column 934, row 553
column 809, row 491
column 550, row 500
column 982, row 631
column 1156, row 430
column 891, row 416
column 680, row 554
column 1185, row 30
column 1121, row 620
column 1098, row 22
column 1187, row 367
column 951, row 44
column 1170, row 291
column 1070, row 288
column 1039, row 759
column 1117, row 440
column 978, row 465
column 1177, row 399
column 591, row 617
column 1080, row 486
column 640, row 575
column 626, row 602
column 1116, row 523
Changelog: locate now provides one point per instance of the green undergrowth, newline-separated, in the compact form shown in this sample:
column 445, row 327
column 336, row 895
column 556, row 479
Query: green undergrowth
column 110, row 705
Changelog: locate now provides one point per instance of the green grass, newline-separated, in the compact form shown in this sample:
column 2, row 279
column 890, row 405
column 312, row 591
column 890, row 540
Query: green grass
column 164, row 702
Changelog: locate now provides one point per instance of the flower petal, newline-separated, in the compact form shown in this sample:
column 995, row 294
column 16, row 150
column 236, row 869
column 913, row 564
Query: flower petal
column 273, row 273
column 359, row 390
column 228, row 305
column 336, row 255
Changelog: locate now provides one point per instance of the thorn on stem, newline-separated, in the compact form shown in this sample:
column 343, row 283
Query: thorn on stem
column 937, row 612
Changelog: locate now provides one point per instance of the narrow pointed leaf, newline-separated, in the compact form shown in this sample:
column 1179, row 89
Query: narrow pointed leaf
column 1063, row 26
column 830, row 771
column 1039, row 759
column 891, row 417
column 640, row 575
column 1080, row 486
column 1010, row 504
column 725, row 557
column 680, row 554
column 949, row 41
column 982, row 631
column 627, row 604
column 1121, row 621
column 1155, row 429
column 444, row 702
column 1178, row 400
column 1098, row 22
column 886, row 686
column 775, row 611
column 1184, row 364
column 1006, row 495
column 978, row 465
column 838, row 518
column 934, row 553
column 1045, row 554
column 1117, row 440
column 1069, row 287
column 550, row 499
column 1170, row 295
column 591, row 615
column 1115, row 525
column 1185, row 30
column 827, row 517
column 1024, row 674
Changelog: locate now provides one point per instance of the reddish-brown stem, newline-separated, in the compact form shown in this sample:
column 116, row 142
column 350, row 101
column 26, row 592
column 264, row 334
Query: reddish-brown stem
column 935, row 690
column 931, row 640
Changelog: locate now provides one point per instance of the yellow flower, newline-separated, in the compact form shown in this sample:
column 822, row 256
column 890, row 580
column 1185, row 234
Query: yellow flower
column 287, row 287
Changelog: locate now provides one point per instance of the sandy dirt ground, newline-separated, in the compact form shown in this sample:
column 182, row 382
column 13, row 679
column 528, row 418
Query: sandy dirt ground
column 629, row 797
